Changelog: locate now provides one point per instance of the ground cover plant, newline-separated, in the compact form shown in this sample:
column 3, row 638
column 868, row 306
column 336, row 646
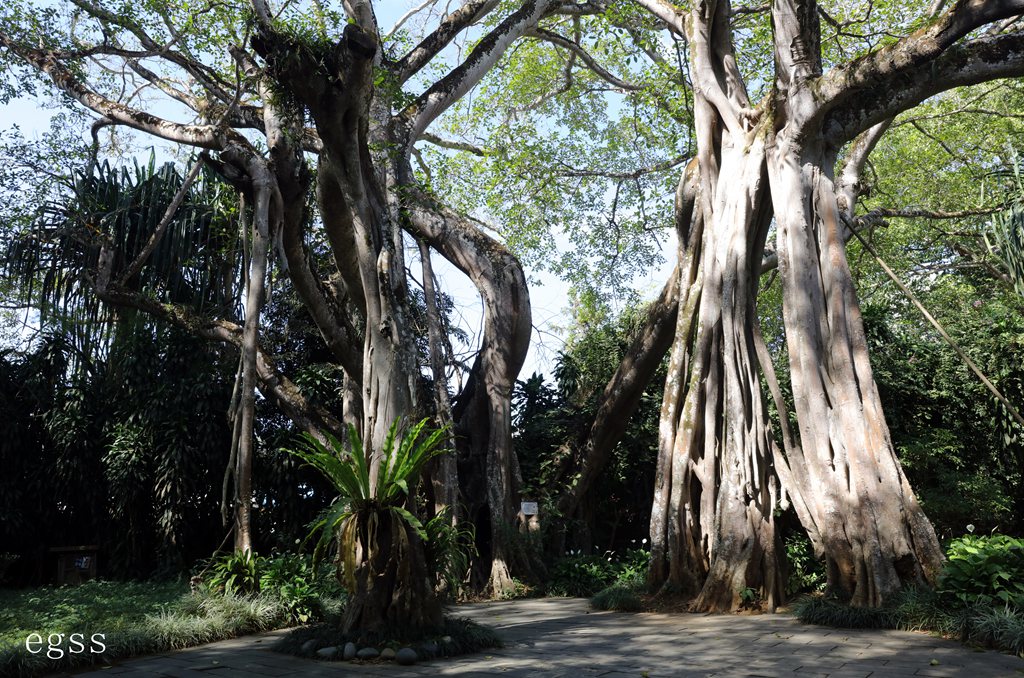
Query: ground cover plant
column 235, row 594
column 97, row 605
column 139, row 624
column 978, row 598
column 309, row 592
column 584, row 574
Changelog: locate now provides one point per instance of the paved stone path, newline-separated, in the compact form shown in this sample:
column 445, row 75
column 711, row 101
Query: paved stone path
column 560, row 637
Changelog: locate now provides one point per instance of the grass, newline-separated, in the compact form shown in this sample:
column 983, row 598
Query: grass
column 100, row 605
column 618, row 598
column 149, row 618
column 1001, row 627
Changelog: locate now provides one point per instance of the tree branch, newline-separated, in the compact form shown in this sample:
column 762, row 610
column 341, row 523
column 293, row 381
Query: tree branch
column 453, row 144
column 919, row 213
column 673, row 17
column 585, row 57
column 979, row 60
column 202, row 136
column 203, row 74
column 484, row 56
column 275, row 386
column 132, row 270
column 897, row 64
column 453, row 24
column 635, row 174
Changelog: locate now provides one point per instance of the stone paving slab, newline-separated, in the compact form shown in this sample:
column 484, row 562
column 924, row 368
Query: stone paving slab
column 562, row 637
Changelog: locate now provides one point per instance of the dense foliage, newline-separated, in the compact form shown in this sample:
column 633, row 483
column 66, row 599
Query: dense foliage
column 985, row 570
column 550, row 417
column 125, row 413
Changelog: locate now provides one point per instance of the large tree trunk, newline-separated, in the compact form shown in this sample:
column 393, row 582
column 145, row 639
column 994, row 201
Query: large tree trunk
column 394, row 592
column 677, row 562
column 712, row 530
column 355, row 184
column 712, row 527
column 876, row 538
column 444, row 475
column 486, row 404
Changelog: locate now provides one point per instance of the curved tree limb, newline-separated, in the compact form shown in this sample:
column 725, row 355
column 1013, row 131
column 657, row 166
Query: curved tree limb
column 584, row 56
column 154, row 239
column 206, row 76
column 419, row 56
column 674, row 18
column 449, row 89
column 621, row 396
column 885, row 65
column 978, row 60
column 201, row 136
column 292, row 177
column 274, row 385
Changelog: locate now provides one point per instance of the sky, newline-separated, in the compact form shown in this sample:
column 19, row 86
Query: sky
column 548, row 294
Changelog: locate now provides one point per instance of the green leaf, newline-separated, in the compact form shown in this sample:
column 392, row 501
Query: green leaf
column 412, row 520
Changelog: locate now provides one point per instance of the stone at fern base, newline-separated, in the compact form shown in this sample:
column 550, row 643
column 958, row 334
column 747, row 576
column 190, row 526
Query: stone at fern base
column 327, row 653
column 368, row 653
column 349, row 652
column 387, row 653
column 406, row 656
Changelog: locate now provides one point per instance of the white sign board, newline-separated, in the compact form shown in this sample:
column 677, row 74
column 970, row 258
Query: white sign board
column 530, row 508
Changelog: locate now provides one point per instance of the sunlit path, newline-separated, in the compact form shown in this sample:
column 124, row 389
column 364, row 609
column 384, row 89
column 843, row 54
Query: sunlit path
column 561, row 637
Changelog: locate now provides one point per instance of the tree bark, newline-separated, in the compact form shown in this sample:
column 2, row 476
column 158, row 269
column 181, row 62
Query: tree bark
column 875, row 536
column 444, row 474
column 255, row 284
column 499, row 277
column 394, row 592
column 712, row 528
column 713, row 532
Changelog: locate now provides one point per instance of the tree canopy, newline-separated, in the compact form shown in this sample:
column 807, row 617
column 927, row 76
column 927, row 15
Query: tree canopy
column 587, row 137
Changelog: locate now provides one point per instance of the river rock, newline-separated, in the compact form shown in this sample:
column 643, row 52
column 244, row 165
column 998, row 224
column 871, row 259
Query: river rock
column 387, row 653
column 368, row 653
column 406, row 656
column 350, row 651
column 327, row 653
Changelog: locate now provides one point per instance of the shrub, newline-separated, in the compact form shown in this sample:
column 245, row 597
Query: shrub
column 580, row 575
column 450, row 549
column 583, row 575
column 920, row 609
column 806, row 573
column 303, row 588
column 985, row 570
column 618, row 598
column 631, row 569
column 236, row 573
column 307, row 592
